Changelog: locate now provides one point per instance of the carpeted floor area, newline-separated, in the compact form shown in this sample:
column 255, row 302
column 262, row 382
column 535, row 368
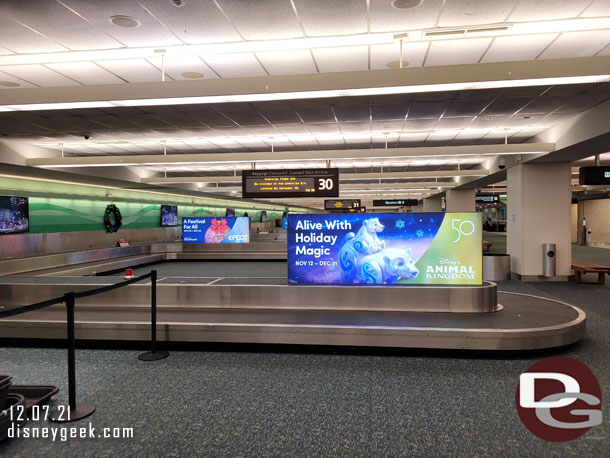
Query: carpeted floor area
column 254, row 400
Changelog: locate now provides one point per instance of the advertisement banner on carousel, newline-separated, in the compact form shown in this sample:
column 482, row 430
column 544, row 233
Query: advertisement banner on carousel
column 386, row 248
column 216, row 230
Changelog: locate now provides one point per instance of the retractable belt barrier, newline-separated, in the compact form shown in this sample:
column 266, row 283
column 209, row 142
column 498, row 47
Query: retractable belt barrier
column 79, row 411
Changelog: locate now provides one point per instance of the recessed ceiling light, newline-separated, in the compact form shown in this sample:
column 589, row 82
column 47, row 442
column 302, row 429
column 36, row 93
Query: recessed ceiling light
column 124, row 21
column 526, row 117
column 406, row 4
column 396, row 64
column 8, row 84
column 192, row 75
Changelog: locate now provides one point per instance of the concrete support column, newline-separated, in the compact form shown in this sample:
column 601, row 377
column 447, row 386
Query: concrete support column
column 460, row 200
column 539, row 200
column 433, row 204
column 418, row 208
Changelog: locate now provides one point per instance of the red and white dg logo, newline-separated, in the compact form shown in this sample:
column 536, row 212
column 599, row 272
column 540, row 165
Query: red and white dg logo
column 559, row 399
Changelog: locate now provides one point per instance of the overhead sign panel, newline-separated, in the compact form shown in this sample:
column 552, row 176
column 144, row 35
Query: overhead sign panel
column 290, row 183
column 342, row 204
column 386, row 248
column 395, row 203
column 594, row 175
column 486, row 198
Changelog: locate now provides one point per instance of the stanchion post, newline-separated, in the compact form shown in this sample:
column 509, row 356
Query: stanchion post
column 75, row 411
column 153, row 354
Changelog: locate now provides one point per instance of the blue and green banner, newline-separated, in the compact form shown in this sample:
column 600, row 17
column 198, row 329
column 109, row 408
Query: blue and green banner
column 386, row 248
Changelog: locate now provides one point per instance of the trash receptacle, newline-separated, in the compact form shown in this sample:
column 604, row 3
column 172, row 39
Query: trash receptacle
column 548, row 259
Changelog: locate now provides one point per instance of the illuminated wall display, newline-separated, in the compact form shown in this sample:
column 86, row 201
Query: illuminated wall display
column 216, row 230
column 395, row 203
column 14, row 214
column 594, row 175
column 169, row 215
column 290, row 183
column 386, row 248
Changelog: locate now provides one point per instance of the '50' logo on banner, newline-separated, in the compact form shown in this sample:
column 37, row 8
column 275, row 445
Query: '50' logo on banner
column 463, row 227
column 559, row 399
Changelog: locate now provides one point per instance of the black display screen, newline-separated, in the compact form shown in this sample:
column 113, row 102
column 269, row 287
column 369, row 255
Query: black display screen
column 169, row 215
column 290, row 183
column 395, row 203
column 342, row 204
column 594, row 175
column 14, row 215
column 230, row 213
column 486, row 198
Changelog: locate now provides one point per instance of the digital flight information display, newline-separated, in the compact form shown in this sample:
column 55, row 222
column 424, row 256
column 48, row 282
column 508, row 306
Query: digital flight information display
column 290, row 183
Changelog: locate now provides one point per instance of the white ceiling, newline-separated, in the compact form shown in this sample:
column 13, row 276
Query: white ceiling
column 33, row 29
column 53, row 43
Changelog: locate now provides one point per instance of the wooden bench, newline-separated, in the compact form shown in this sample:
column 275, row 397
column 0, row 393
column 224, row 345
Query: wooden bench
column 487, row 245
column 582, row 267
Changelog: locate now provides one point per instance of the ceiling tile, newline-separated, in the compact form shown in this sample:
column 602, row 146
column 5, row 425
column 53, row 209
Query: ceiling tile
column 506, row 106
column 453, row 123
column 339, row 17
column 74, row 33
column 85, row 73
column 325, row 128
column 578, row 44
column 282, row 116
column 451, row 52
column 345, row 59
column 413, row 54
column 319, row 114
column 466, row 107
column 12, row 79
column 355, row 127
column 583, row 102
column 540, row 10
column 196, row 22
column 355, row 113
column 38, row 75
column 525, row 47
column 389, row 112
column 414, row 125
column 459, row 13
column 295, row 62
column 386, row 18
column 236, row 65
column 263, row 19
column 175, row 66
column 487, row 122
column 545, row 104
column 599, row 8
column 20, row 39
column 427, row 110
column 132, row 70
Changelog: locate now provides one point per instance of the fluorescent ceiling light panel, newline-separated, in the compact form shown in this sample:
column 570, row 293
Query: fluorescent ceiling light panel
column 313, row 94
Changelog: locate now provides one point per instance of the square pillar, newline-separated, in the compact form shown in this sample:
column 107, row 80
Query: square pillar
column 539, row 211
column 433, row 204
column 460, row 200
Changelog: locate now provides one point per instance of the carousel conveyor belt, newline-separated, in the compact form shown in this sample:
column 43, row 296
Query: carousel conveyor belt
column 523, row 322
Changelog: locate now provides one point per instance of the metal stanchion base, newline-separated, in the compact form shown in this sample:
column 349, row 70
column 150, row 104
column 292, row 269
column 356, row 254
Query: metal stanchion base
column 59, row 415
column 153, row 356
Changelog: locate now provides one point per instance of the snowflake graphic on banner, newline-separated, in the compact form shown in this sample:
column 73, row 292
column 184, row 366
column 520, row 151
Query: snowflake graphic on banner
column 419, row 233
column 400, row 224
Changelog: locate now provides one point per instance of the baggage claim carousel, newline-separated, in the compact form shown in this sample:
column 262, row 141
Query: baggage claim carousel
column 198, row 302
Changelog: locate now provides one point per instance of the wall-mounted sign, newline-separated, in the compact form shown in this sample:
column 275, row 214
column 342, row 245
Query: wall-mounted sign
column 386, row 248
column 395, row 203
column 290, row 183
column 336, row 204
column 216, row 230
column 486, row 198
column 594, row 175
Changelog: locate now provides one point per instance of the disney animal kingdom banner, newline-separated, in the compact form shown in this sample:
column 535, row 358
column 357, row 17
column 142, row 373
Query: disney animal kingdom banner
column 386, row 248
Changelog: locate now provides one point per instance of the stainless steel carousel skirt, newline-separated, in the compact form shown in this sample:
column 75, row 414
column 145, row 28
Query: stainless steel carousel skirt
column 343, row 315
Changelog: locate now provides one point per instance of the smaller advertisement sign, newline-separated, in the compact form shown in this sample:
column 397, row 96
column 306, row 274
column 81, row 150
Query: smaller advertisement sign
column 216, row 230
column 341, row 204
